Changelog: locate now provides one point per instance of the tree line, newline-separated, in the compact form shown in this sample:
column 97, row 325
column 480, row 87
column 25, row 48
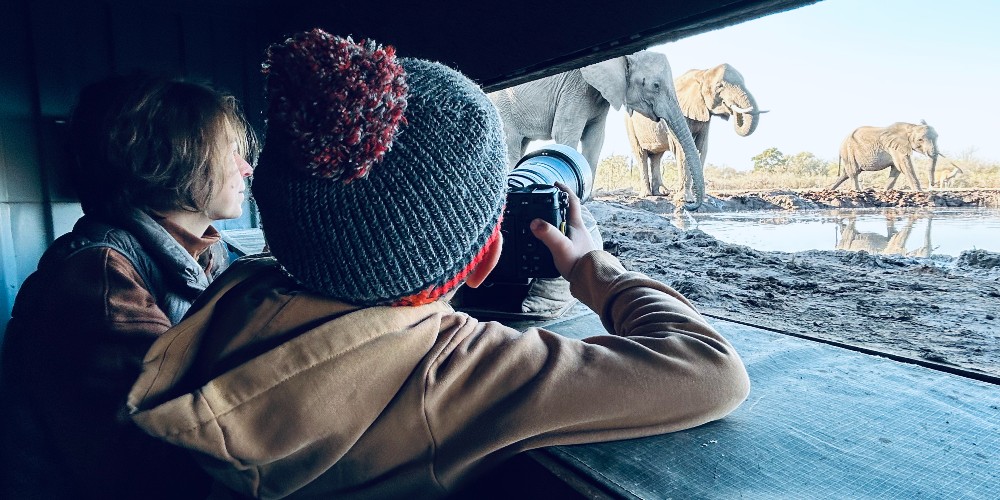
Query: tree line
column 772, row 160
column 773, row 169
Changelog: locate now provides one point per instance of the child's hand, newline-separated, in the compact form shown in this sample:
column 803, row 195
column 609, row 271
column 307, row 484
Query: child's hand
column 565, row 250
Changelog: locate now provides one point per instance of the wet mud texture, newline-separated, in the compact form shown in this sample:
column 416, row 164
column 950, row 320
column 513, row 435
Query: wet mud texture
column 940, row 309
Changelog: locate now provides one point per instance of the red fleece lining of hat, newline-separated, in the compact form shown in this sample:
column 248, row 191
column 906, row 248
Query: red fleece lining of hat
column 435, row 292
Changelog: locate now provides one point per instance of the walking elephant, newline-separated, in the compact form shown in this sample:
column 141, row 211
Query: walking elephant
column 872, row 149
column 572, row 108
column 719, row 91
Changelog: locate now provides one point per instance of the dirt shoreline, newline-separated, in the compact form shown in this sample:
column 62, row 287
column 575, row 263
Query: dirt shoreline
column 741, row 201
column 940, row 309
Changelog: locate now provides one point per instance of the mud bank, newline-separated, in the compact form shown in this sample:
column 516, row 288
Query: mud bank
column 939, row 309
column 739, row 201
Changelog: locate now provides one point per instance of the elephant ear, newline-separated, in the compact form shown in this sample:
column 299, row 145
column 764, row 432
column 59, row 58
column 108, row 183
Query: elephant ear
column 897, row 137
column 609, row 79
column 689, row 95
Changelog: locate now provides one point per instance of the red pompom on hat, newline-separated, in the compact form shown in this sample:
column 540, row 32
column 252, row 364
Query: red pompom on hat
column 340, row 102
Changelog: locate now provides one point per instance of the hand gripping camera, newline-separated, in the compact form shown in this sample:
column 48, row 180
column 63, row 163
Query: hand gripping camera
column 531, row 194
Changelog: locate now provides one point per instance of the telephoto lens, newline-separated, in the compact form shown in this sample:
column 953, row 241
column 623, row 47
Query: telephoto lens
column 525, row 262
column 531, row 194
column 551, row 164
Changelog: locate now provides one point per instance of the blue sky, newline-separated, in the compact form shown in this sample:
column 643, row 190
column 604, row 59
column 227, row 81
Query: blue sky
column 825, row 69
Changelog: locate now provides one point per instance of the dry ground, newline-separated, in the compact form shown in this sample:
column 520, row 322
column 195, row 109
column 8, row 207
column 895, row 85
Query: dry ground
column 942, row 310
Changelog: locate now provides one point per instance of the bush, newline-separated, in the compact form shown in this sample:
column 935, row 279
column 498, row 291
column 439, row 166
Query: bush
column 770, row 160
column 616, row 173
column 806, row 164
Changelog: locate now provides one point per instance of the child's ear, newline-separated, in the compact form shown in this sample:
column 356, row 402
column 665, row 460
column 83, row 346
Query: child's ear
column 479, row 273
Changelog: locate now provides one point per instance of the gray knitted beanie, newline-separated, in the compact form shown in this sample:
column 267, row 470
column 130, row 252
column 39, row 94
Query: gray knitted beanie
column 381, row 181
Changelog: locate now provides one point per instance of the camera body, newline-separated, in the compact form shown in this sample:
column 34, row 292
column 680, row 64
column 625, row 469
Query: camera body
column 531, row 258
column 531, row 194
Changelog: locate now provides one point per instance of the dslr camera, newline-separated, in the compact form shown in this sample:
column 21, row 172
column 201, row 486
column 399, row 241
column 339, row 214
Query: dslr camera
column 531, row 194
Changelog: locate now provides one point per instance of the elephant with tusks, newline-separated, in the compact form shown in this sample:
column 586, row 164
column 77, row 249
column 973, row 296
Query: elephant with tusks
column 718, row 91
column 572, row 109
column 870, row 149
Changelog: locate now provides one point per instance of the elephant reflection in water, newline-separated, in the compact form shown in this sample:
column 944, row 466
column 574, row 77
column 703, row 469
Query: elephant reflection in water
column 891, row 243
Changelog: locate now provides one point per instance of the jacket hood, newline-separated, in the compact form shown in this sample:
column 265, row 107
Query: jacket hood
column 241, row 381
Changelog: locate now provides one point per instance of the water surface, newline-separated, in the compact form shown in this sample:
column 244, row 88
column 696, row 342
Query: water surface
column 918, row 232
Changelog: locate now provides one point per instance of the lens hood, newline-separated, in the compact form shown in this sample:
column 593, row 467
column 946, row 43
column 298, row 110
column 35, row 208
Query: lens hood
column 551, row 164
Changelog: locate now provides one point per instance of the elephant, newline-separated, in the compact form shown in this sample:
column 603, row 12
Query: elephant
column 874, row 148
column 572, row 108
column 892, row 243
column 719, row 91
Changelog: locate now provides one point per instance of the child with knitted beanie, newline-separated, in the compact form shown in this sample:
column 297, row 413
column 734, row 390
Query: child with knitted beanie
column 337, row 368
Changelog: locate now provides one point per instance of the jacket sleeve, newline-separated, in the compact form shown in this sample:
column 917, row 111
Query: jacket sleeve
column 663, row 368
column 122, row 317
column 127, row 307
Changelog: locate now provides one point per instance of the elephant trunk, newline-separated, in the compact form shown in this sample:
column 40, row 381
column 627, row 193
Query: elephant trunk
column 934, row 158
column 692, row 158
column 746, row 114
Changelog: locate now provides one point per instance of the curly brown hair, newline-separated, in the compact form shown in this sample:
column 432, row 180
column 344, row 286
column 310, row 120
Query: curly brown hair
column 153, row 144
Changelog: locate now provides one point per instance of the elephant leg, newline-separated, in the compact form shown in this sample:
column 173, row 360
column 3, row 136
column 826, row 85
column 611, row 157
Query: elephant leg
column 911, row 174
column 660, row 185
column 893, row 175
column 568, row 128
column 516, row 145
column 520, row 152
column 640, row 155
column 857, row 183
column 701, row 141
column 591, row 142
column 842, row 173
column 656, row 174
column 644, row 189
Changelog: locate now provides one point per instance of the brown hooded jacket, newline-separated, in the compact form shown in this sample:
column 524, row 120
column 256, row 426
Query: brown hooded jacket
column 281, row 392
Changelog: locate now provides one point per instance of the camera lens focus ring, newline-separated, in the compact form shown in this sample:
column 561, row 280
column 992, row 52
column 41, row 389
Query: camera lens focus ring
column 551, row 164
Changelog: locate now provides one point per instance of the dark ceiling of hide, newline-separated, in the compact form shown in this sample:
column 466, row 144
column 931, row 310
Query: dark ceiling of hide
column 499, row 44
